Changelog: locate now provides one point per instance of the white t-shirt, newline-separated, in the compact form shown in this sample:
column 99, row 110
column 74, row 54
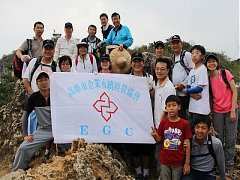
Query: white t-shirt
column 85, row 65
column 41, row 68
column 161, row 94
column 199, row 77
column 149, row 79
column 66, row 47
column 179, row 74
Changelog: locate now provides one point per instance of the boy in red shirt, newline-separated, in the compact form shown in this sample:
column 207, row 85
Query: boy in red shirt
column 172, row 133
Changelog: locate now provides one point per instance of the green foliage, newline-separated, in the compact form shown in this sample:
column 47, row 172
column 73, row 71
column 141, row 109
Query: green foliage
column 233, row 66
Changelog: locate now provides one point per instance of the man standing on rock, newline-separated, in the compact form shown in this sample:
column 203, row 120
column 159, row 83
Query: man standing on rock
column 35, row 45
column 40, row 102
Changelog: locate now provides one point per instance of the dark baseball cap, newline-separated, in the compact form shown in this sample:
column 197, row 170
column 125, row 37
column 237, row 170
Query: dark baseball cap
column 48, row 43
column 137, row 56
column 68, row 25
column 105, row 57
column 42, row 75
column 158, row 44
column 175, row 38
column 211, row 56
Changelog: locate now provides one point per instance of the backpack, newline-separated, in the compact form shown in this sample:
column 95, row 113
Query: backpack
column 181, row 61
column 17, row 63
column 210, row 151
column 38, row 63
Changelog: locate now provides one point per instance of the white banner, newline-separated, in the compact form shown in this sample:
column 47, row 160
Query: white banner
column 101, row 108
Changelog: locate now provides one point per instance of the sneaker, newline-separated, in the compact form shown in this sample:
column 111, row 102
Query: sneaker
column 47, row 154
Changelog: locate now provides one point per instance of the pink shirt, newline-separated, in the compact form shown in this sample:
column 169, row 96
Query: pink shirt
column 222, row 95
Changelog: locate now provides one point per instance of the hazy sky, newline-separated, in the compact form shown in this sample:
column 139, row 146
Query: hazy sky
column 212, row 23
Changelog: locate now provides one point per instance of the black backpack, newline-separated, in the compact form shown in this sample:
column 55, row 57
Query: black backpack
column 181, row 61
column 210, row 151
column 38, row 63
column 17, row 63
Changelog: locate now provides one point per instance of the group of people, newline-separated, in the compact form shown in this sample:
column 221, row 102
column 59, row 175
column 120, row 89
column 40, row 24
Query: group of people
column 191, row 95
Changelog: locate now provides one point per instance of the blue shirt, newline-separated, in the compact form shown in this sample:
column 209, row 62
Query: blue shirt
column 120, row 35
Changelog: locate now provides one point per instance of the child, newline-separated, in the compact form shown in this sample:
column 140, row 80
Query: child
column 198, row 87
column 206, row 152
column 224, row 106
column 172, row 133
column 105, row 64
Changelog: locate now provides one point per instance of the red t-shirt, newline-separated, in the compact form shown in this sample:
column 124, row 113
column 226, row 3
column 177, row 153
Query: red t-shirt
column 173, row 135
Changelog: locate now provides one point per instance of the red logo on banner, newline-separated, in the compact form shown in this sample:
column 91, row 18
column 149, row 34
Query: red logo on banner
column 105, row 106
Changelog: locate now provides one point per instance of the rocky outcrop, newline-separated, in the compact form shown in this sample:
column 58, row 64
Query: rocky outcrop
column 10, row 124
column 85, row 162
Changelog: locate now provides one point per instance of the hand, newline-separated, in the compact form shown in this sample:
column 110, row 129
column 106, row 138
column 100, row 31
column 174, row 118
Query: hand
column 196, row 96
column 233, row 115
column 155, row 134
column 28, row 138
column 29, row 91
column 179, row 87
column 25, row 58
column 186, row 169
column 120, row 47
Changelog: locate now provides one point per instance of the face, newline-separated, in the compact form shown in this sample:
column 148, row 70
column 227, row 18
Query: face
column 104, row 20
column 176, row 46
column 161, row 70
column 43, row 84
column 116, row 21
column 197, row 56
column 105, row 64
column 38, row 30
column 172, row 109
column 48, row 53
column 92, row 31
column 65, row 66
column 212, row 64
column 159, row 51
column 137, row 66
column 82, row 51
column 201, row 131
column 68, row 32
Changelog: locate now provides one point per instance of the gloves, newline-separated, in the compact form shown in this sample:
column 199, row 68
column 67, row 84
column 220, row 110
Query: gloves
column 25, row 58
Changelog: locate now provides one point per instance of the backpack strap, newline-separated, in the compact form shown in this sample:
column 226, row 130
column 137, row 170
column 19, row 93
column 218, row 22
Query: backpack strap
column 210, row 152
column 29, row 47
column 210, row 149
column 54, row 66
column 91, row 58
column 224, row 77
column 36, row 65
column 182, row 55
column 181, row 61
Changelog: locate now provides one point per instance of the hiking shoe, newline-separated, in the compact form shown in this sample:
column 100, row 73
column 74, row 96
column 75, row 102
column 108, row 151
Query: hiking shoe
column 47, row 154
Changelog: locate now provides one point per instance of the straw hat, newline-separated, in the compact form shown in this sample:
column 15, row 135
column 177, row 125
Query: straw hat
column 121, row 61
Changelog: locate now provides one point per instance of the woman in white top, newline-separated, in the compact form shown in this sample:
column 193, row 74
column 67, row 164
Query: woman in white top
column 84, row 62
